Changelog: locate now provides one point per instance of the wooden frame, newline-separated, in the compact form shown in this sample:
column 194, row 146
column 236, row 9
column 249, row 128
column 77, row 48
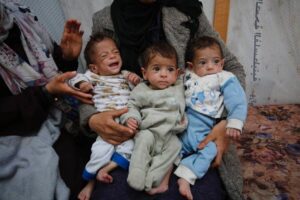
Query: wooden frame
column 221, row 16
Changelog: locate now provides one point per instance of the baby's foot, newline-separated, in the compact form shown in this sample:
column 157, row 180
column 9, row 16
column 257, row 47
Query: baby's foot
column 104, row 177
column 185, row 189
column 160, row 189
column 136, row 179
column 86, row 192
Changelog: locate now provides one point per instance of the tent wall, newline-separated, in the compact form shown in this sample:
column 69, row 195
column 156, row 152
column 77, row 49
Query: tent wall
column 265, row 36
column 50, row 14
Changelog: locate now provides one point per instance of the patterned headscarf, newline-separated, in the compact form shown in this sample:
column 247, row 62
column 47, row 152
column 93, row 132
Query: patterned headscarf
column 36, row 43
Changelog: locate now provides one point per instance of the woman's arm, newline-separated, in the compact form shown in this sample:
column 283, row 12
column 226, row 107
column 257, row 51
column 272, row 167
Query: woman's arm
column 24, row 113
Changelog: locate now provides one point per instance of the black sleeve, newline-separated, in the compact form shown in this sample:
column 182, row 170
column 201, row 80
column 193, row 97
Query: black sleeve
column 62, row 64
column 24, row 113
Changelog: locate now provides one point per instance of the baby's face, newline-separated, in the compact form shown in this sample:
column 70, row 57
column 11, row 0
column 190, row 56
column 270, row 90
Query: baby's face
column 207, row 61
column 161, row 72
column 106, row 58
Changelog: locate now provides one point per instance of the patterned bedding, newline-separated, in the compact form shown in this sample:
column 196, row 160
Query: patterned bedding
column 270, row 153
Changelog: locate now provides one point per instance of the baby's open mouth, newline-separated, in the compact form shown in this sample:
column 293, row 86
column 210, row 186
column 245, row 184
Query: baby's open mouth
column 115, row 64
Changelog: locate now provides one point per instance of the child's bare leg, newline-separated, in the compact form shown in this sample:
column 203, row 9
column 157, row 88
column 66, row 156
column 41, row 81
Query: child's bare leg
column 86, row 192
column 103, row 174
column 185, row 189
column 164, row 185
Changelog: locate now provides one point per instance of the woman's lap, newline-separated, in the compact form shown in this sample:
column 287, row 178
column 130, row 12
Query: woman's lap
column 74, row 153
column 209, row 187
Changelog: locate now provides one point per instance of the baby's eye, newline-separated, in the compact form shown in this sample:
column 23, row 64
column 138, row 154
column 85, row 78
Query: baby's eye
column 216, row 61
column 116, row 51
column 156, row 68
column 103, row 55
column 202, row 62
column 171, row 69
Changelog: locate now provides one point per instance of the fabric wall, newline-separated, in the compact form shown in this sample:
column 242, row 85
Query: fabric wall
column 50, row 14
column 265, row 36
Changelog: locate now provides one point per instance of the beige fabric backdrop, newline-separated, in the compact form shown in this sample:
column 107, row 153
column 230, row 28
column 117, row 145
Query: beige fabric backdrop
column 265, row 36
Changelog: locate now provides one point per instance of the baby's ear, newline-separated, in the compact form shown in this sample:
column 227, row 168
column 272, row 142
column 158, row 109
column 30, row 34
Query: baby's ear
column 180, row 71
column 144, row 73
column 93, row 68
column 189, row 65
column 222, row 63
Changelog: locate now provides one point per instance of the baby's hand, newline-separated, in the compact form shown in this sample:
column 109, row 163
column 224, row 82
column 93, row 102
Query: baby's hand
column 133, row 78
column 86, row 87
column 233, row 133
column 132, row 124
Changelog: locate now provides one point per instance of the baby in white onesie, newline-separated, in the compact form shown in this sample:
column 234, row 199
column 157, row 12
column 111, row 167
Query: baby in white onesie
column 111, row 90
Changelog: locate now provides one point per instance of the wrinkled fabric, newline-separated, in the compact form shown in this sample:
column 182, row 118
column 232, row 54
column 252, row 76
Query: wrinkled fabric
column 29, row 165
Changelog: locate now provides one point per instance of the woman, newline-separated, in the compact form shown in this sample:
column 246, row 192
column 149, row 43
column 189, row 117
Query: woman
column 30, row 85
column 136, row 24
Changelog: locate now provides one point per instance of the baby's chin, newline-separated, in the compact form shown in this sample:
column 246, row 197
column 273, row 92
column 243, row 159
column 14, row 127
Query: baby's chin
column 207, row 73
column 160, row 86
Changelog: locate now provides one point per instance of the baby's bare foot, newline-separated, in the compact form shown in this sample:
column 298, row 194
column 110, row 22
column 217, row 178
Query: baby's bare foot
column 158, row 190
column 185, row 189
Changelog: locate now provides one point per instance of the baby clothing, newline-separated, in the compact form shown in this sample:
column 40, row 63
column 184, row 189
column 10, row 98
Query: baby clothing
column 161, row 116
column 110, row 93
column 206, row 97
column 211, row 93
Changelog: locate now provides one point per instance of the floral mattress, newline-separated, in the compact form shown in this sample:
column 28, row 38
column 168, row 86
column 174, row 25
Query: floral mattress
column 270, row 153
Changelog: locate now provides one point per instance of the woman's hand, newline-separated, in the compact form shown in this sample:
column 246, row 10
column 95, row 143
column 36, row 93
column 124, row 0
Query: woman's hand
column 112, row 132
column 217, row 135
column 58, row 85
column 71, row 42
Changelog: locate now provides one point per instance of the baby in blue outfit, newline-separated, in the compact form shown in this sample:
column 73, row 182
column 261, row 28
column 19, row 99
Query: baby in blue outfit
column 208, row 90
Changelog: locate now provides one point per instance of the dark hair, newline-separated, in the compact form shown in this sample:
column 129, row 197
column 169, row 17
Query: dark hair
column 94, row 39
column 162, row 48
column 200, row 43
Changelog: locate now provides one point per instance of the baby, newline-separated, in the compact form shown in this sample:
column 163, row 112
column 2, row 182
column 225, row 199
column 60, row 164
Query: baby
column 156, row 108
column 111, row 91
column 208, row 89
